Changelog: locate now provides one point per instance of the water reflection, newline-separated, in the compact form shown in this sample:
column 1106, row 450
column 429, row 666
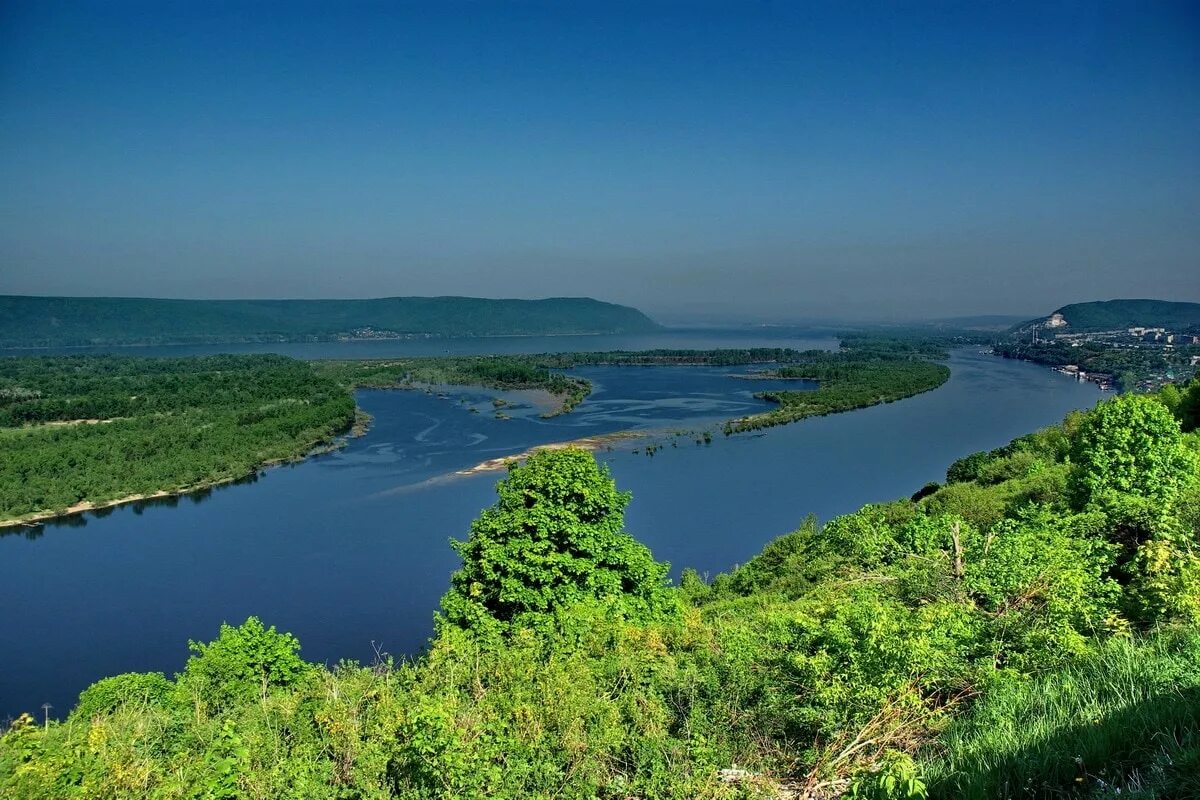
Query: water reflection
column 34, row 530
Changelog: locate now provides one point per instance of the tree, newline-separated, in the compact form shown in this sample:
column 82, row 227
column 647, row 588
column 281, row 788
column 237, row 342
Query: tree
column 1188, row 410
column 1131, row 446
column 555, row 537
column 242, row 663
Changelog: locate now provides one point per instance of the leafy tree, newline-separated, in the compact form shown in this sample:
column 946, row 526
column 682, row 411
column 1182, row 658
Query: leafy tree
column 967, row 468
column 1187, row 411
column 555, row 537
column 108, row 694
column 242, row 663
column 1130, row 445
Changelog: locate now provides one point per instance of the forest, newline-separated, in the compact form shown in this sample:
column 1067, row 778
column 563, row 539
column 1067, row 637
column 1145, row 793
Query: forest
column 1026, row 629
column 95, row 429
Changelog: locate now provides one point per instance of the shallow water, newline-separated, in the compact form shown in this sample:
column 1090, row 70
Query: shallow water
column 350, row 549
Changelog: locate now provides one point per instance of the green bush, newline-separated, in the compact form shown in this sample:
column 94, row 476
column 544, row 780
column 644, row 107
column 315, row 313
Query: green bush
column 554, row 538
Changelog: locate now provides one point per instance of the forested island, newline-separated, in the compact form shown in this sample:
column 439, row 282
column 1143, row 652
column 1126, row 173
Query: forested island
column 78, row 432
column 1027, row 629
column 83, row 432
column 87, row 321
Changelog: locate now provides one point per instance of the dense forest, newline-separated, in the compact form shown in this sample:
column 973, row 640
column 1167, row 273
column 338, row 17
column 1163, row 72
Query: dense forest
column 1027, row 629
column 95, row 429
column 69, row 321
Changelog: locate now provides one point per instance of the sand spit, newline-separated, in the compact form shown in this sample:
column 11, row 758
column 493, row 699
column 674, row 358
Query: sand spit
column 584, row 443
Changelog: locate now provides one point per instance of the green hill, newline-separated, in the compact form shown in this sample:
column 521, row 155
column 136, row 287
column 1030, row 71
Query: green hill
column 65, row 321
column 1107, row 315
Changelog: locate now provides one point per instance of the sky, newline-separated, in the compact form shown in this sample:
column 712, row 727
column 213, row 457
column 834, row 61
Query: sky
column 740, row 161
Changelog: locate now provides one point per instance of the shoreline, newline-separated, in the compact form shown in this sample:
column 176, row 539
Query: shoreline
column 358, row 427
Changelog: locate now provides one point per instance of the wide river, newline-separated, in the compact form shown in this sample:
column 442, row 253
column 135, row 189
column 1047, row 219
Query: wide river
column 350, row 551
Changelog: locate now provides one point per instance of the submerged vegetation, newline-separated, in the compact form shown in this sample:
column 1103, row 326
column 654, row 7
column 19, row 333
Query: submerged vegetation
column 1027, row 629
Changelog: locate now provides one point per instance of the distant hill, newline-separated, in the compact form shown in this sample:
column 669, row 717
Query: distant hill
column 1107, row 315
column 67, row 321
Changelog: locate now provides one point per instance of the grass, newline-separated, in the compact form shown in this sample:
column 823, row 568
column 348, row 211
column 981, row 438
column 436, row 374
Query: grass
column 1122, row 722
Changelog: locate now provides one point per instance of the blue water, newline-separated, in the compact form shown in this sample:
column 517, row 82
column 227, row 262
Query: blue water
column 350, row 548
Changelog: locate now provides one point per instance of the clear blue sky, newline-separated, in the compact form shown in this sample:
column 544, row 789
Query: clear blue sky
column 742, row 159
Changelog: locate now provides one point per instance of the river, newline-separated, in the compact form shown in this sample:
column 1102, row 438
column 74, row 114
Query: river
column 350, row 551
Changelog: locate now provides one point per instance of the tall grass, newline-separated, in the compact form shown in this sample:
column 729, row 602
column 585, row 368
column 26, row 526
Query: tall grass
column 1124, row 721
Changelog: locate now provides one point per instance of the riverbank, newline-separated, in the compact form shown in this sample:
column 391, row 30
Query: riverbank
column 360, row 427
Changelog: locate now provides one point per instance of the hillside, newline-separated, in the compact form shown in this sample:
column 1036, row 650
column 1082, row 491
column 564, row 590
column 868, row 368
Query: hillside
column 68, row 321
column 1107, row 315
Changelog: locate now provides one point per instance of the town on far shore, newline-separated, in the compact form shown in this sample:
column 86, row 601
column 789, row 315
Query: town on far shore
column 1133, row 357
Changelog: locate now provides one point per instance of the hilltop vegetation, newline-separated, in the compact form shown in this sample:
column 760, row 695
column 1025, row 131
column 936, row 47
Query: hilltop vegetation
column 70, row 321
column 1108, row 315
column 1027, row 630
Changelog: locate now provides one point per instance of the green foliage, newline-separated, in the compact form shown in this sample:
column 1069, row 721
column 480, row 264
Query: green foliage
column 967, row 468
column 554, row 538
column 1125, row 718
column 848, row 379
column 242, row 663
column 1184, row 404
column 93, row 429
column 1129, row 446
column 896, row 777
column 108, row 694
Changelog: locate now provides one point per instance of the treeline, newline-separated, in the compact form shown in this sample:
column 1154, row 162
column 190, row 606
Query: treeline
column 70, row 321
column 1107, row 315
column 94, row 429
column 1028, row 630
column 849, row 379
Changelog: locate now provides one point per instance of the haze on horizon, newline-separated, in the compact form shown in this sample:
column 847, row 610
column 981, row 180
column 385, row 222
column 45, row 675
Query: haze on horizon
column 769, row 161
